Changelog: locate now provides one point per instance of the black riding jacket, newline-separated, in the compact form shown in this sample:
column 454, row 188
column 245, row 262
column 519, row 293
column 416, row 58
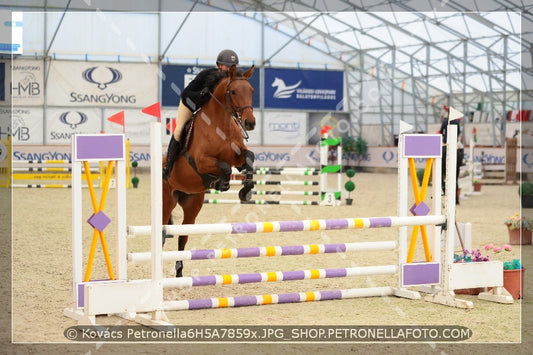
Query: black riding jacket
column 196, row 94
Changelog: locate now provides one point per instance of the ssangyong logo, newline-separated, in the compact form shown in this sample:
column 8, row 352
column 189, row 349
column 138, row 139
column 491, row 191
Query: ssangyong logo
column 73, row 118
column 283, row 91
column 101, row 77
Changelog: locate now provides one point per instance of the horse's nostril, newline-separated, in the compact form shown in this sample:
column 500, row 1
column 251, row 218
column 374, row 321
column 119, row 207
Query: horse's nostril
column 250, row 125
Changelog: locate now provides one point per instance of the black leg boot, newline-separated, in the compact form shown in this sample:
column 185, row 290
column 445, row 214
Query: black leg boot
column 172, row 155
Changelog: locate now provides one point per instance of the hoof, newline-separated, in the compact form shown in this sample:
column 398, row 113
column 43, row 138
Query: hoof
column 179, row 268
column 245, row 195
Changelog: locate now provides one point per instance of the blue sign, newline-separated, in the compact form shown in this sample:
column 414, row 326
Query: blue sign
column 176, row 77
column 304, row 89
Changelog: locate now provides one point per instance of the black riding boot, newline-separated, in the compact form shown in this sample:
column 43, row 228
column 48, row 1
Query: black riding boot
column 172, row 155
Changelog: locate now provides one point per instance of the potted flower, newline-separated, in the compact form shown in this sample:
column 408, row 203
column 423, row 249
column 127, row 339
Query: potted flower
column 476, row 259
column 477, row 185
column 525, row 190
column 349, row 185
column 513, row 272
column 467, row 265
column 519, row 229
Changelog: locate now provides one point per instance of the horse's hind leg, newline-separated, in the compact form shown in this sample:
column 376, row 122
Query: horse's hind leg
column 169, row 202
column 191, row 205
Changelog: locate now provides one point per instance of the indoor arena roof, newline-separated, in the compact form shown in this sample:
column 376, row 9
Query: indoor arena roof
column 462, row 46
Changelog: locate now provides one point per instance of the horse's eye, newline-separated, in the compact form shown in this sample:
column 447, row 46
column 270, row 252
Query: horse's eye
column 233, row 92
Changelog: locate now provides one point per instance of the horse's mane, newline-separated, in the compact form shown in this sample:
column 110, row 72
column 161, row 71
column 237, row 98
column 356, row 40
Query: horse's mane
column 215, row 76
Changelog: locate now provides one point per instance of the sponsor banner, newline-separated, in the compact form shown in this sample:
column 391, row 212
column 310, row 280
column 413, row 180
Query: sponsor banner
column 285, row 128
column 25, row 125
column 102, row 84
column 22, row 82
column 136, row 125
column 286, row 156
column 63, row 122
column 304, row 89
column 176, row 77
column 283, row 156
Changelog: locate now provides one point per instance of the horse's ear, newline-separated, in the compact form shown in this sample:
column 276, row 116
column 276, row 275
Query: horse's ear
column 249, row 72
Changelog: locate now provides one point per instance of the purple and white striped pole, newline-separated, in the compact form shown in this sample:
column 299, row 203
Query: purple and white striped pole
column 211, row 280
column 293, row 226
column 242, row 301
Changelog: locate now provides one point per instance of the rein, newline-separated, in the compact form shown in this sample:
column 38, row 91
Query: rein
column 236, row 113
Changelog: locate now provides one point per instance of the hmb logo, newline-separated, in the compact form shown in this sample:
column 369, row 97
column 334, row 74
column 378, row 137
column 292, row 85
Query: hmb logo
column 101, row 77
column 28, row 85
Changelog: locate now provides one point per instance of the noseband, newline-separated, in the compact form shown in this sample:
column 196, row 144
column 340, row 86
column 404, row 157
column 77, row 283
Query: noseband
column 236, row 112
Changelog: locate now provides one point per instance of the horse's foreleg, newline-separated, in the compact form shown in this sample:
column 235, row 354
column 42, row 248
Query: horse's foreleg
column 245, row 194
column 215, row 173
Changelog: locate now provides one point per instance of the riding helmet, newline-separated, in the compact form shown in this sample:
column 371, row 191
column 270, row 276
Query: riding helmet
column 227, row 57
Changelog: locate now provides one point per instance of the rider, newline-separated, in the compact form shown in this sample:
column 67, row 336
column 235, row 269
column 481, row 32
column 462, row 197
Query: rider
column 194, row 96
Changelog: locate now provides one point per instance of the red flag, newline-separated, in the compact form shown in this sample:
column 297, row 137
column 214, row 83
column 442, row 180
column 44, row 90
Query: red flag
column 153, row 110
column 118, row 118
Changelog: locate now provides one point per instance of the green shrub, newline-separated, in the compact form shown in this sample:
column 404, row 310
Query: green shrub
column 526, row 189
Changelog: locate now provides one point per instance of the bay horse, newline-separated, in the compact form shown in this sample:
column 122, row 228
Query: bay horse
column 213, row 144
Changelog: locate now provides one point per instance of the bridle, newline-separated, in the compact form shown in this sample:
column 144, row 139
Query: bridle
column 236, row 112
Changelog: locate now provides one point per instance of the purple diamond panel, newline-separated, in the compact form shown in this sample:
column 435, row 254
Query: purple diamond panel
column 99, row 221
column 421, row 210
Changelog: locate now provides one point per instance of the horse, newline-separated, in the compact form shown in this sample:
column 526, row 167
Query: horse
column 213, row 144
